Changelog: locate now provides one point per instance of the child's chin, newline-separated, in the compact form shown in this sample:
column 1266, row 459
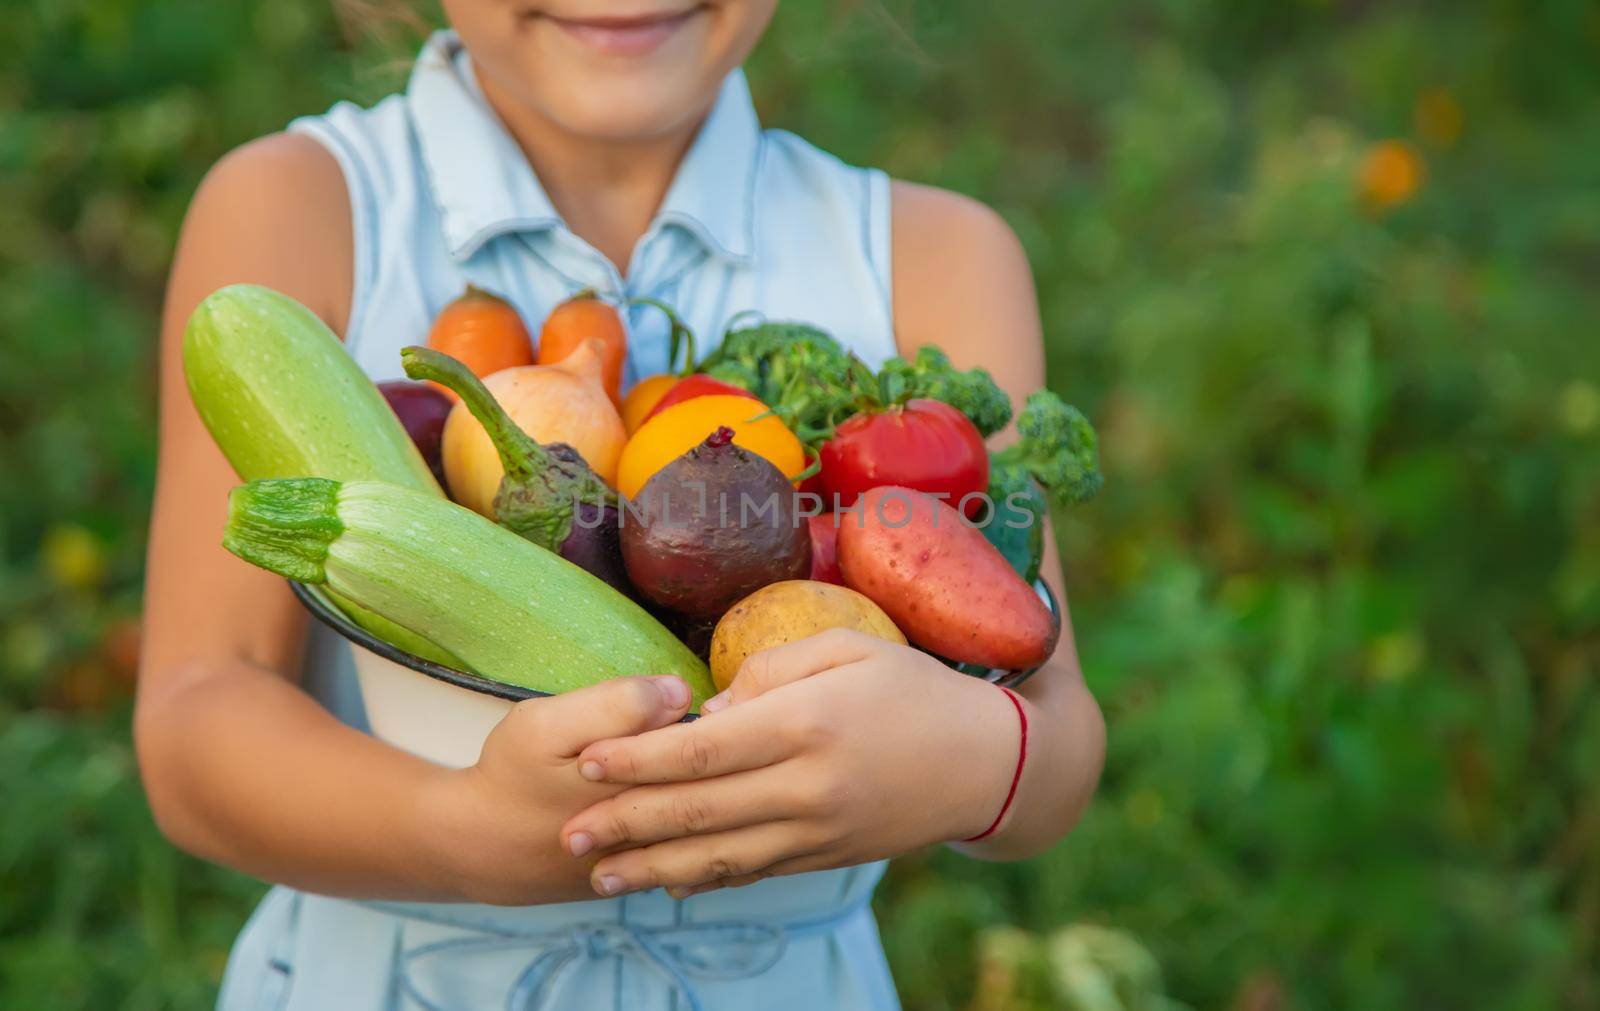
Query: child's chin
column 632, row 106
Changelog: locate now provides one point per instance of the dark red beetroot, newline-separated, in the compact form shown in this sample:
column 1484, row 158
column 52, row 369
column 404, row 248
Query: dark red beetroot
column 825, row 548
column 711, row 527
column 421, row 410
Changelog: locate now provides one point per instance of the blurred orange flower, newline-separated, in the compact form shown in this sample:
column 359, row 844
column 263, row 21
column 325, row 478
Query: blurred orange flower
column 1390, row 174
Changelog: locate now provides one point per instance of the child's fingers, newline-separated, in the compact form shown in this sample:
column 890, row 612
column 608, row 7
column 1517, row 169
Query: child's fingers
column 651, row 814
column 566, row 724
column 802, row 864
column 698, row 859
column 773, row 668
column 681, row 892
column 741, row 740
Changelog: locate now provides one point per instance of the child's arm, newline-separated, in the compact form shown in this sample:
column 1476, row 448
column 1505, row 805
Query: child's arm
column 842, row 748
column 240, row 765
column 976, row 300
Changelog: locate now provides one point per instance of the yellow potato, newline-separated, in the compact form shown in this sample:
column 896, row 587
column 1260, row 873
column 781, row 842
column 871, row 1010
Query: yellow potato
column 788, row 611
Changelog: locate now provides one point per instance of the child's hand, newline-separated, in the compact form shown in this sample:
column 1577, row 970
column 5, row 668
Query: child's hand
column 497, row 819
column 842, row 749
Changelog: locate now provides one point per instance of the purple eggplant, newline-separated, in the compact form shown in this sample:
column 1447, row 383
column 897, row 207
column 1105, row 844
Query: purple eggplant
column 548, row 495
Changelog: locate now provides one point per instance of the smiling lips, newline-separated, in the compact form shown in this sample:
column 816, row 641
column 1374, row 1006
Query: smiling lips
column 627, row 35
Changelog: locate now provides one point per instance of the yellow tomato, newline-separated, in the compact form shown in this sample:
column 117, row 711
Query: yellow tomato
column 681, row 427
column 637, row 404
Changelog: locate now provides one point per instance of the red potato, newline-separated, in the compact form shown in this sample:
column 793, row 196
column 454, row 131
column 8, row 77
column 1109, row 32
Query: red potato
column 947, row 588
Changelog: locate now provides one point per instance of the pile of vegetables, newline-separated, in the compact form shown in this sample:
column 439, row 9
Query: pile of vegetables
column 775, row 489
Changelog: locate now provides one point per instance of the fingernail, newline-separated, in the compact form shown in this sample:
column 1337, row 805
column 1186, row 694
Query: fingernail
column 610, row 884
column 592, row 771
column 579, row 843
column 715, row 702
column 680, row 892
column 673, row 691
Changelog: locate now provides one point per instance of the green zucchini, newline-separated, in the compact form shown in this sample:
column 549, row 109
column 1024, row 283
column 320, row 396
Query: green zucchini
column 282, row 398
column 513, row 611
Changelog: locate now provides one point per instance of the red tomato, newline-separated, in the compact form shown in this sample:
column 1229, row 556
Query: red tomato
column 825, row 548
column 926, row 445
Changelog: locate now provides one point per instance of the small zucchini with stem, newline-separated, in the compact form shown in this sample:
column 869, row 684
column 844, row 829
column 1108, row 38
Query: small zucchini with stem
column 511, row 610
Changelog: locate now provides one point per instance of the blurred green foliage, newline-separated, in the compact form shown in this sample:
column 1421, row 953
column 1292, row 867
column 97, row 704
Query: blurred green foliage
column 1325, row 273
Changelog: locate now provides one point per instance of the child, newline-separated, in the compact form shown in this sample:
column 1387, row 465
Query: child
column 539, row 148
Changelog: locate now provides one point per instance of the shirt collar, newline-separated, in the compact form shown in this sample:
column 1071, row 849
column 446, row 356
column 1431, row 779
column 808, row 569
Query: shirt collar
column 713, row 195
column 484, row 186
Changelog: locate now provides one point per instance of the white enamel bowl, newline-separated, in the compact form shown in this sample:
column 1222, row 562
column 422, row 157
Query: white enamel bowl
column 443, row 714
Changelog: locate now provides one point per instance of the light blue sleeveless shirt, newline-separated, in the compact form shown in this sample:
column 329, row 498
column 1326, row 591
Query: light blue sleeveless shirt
column 755, row 219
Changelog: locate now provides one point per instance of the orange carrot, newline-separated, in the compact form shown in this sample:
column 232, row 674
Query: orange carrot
column 584, row 317
column 483, row 332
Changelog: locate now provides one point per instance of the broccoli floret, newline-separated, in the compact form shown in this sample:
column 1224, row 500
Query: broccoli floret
column 930, row 375
column 799, row 371
column 1058, row 448
column 813, row 384
column 775, row 347
column 736, row 373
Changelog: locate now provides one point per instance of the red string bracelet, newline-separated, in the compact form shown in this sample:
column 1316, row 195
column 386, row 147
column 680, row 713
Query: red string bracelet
column 1016, row 777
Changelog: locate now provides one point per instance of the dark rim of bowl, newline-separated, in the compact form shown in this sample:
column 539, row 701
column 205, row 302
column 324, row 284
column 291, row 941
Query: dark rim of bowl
column 330, row 616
